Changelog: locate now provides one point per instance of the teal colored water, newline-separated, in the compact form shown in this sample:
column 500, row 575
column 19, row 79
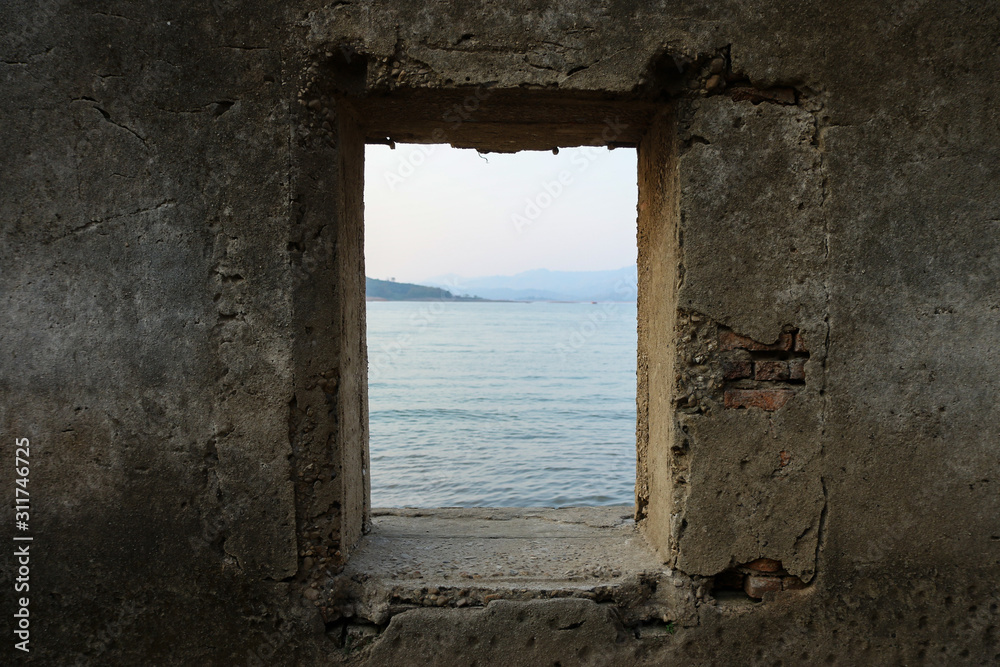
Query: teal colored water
column 501, row 404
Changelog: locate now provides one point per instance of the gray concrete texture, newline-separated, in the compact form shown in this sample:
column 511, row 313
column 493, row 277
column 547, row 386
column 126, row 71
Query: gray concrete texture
column 473, row 557
column 182, row 319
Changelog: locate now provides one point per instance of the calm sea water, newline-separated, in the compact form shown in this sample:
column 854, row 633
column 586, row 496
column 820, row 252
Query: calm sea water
column 501, row 404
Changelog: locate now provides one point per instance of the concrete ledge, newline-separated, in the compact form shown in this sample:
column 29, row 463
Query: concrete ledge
column 471, row 557
column 579, row 547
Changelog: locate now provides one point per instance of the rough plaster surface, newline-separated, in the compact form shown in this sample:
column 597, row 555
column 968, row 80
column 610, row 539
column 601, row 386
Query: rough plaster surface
column 753, row 243
column 579, row 631
column 470, row 557
column 175, row 269
column 753, row 233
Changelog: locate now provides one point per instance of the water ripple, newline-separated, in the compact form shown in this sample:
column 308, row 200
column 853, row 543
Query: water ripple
column 492, row 405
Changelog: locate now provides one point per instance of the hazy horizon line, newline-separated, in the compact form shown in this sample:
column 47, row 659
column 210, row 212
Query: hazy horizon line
column 501, row 275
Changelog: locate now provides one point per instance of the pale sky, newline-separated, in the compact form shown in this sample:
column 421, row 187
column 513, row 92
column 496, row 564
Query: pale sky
column 432, row 210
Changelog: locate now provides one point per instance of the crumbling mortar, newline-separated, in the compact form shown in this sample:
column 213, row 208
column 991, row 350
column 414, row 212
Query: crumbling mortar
column 711, row 75
column 705, row 350
column 318, row 90
column 698, row 375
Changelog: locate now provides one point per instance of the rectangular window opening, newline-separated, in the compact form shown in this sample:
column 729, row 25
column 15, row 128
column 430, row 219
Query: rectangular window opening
column 501, row 325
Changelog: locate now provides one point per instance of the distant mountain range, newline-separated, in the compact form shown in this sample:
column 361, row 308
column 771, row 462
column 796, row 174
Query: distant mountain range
column 545, row 285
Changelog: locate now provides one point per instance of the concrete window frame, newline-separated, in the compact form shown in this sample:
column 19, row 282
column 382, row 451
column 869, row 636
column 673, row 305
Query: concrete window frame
column 508, row 121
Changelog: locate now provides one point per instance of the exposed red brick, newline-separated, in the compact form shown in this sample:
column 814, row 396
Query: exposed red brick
column 733, row 369
column 797, row 369
column 785, row 458
column 764, row 565
column 730, row 340
column 765, row 399
column 771, row 369
column 755, row 585
column 792, row 583
column 800, row 342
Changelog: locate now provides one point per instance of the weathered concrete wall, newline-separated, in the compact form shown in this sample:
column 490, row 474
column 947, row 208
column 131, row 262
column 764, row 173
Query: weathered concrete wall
column 146, row 308
column 180, row 277
column 754, row 251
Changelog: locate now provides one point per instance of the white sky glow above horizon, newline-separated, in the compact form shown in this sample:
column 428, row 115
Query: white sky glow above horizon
column 432, row 210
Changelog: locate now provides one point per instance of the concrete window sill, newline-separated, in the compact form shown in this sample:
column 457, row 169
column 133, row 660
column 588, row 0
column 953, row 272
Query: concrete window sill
column 458, row 558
